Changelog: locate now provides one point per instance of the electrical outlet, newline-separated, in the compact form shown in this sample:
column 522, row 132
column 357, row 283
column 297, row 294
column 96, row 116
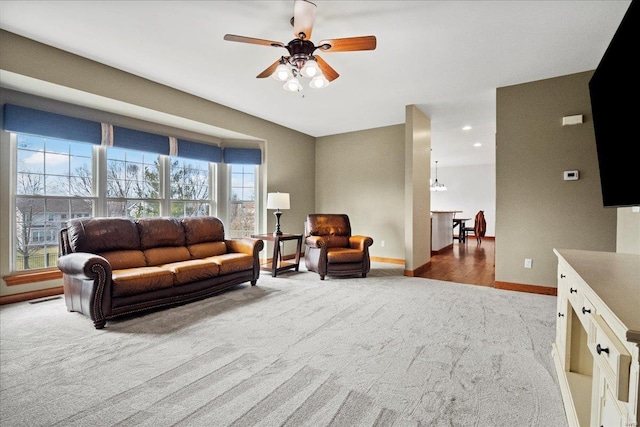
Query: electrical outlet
column 382, row 243
column 528, row 262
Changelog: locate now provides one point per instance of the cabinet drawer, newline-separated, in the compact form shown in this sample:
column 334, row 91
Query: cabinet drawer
column 585, row 311
column 612, row 358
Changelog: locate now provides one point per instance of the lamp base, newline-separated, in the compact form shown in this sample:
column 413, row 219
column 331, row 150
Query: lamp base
column 277, row 232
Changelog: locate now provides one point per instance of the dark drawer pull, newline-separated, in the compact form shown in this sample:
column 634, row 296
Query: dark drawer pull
column 560, row 315
column 601, row 350
column 586, row 310
column 571, row 291
column 562, row 276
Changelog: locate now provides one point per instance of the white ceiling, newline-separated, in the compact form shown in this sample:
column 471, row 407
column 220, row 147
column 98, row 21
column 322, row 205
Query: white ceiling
column 446, row 57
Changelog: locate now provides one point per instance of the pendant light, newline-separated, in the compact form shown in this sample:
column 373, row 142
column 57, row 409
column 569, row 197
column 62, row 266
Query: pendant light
column 437, row 186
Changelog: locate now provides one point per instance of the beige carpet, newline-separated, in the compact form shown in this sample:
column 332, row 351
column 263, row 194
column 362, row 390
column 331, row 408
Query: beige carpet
column 292, row 351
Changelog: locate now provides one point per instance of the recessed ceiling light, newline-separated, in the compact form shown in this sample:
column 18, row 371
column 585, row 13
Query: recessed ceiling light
column 467, row 127
column 477, row 144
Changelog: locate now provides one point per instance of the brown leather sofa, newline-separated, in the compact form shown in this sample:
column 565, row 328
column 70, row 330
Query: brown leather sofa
column 117, row 266
column 331, row 250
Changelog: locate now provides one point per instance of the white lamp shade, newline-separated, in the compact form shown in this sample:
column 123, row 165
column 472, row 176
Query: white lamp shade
column 319, row 82
column 278, row 201
column 282, row 73
column 310, row 68
column 292, row 85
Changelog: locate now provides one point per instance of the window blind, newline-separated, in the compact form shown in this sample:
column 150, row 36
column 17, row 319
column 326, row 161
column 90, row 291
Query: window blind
column 42, row 123
column 243, row 156
column 199, row 151
column 139, row 140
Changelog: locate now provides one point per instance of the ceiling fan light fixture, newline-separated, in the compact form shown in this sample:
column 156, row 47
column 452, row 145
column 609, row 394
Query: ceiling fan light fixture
column 310, row 68
column 292, row 85
column 319, row 82
column 282, row 73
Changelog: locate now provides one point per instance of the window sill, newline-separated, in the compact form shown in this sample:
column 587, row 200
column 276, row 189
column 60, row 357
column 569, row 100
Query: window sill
column 32, row 277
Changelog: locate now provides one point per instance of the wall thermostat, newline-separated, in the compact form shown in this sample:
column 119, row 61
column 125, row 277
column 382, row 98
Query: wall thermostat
column 571, row 175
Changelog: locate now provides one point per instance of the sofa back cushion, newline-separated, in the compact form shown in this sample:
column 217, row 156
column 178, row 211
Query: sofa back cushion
column 99, row 235
column 207, row 249
column 160, row 232
column 166, row 255
column 125, row 259
column 203, row 229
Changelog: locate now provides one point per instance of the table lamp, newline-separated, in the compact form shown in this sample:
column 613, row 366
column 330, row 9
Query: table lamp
column 278, row 201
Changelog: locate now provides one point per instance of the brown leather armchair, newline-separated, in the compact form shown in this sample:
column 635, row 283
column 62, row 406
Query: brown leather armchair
column 331, row 250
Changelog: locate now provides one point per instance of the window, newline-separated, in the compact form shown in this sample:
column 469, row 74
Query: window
column 242, row 201
column 190, row 187
column 53, row 181
column 56, row 180
column 133, row 183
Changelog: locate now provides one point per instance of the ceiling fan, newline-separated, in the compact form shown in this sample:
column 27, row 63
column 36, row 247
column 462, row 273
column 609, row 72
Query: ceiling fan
column 301, row 60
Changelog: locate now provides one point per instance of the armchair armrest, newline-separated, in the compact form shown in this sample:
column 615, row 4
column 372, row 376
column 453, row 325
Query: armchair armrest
column 315, row 241
column 360, row 242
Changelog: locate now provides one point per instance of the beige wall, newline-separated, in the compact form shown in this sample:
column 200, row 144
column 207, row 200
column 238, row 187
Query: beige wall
column 628, row 235
column 289, row 156
column 536, row 210
column 362, row 174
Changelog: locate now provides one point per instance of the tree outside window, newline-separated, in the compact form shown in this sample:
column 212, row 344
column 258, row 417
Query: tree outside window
column 190, row 187
column 242, row 203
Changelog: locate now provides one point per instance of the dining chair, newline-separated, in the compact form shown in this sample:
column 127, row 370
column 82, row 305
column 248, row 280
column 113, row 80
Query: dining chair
column 479, row 227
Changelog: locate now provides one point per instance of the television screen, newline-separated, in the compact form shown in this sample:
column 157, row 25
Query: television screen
column 615, row 105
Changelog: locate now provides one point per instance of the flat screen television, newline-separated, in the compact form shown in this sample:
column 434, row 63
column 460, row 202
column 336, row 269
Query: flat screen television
column 614, row 90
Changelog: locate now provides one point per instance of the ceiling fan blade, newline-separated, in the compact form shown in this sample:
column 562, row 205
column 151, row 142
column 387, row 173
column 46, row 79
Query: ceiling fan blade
column 348, row 44
column 270, row 69
column 251, row 40
column 328, row 72
column 304, row 14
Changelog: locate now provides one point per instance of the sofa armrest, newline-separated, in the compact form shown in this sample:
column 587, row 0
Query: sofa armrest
column 360, row 242
column 87, row 285
column 83, row 264
column 249, row 246
column 245, row 245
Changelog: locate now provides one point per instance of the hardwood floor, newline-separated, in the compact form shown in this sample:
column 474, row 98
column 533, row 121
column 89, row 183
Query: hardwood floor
column 465, row 263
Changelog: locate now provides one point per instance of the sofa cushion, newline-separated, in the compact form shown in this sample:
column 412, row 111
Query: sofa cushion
column 166, row 255
column 203, row 229
column 203, row 250
column 97, row 235
column 158, row 232
column 231, row 263
column 133, row 281
column 342, row 255
column 125, row 259
column 193, row 270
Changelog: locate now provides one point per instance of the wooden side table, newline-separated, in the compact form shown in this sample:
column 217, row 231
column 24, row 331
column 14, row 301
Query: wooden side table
column 277, row 264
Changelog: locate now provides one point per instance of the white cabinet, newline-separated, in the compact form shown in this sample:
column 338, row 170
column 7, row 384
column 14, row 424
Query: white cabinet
column 598, row 337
